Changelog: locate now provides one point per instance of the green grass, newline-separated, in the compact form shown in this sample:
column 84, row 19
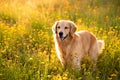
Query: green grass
column 27, row 50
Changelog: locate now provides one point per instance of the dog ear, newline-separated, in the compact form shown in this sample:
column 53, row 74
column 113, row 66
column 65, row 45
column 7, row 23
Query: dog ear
column 72, row 28
column 54, row 27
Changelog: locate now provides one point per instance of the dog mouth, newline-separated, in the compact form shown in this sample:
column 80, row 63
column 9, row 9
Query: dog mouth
column 63, row 38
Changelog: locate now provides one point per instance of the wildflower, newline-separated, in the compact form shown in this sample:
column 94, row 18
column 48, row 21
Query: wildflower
column 88, row 6
column 49, row 76
column 65, row 74
column 111, row 32
column 80, row 78
column 44, row 52
column 36, row 44
column 97, row 77
column 65, row 78
column 94, row 10
column 87, row 73
column 59, row 77
column 118, row 58
column 83, row 66
column 106, row 18
column 3, row 51
column 109, row 78
column 28, row 47
column 14, row 48
column 30, row 59
column 42, row 62
column 79, row 20
column 55, row 68
column 16, row 56
column 1, row 74
column 30, row 36
column 113, row 75
column 33, row 49
column 118, row 18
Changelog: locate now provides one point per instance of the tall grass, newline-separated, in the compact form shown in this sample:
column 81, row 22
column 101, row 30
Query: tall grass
column 27, row 50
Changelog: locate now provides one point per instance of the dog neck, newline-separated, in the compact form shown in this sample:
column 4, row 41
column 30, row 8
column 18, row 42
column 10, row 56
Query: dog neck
column 66, row 42
column 64, row 45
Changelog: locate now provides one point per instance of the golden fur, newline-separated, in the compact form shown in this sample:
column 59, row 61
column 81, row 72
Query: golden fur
column 71, row 47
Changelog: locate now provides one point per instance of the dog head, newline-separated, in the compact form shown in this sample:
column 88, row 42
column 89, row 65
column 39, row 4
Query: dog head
column 64, row 28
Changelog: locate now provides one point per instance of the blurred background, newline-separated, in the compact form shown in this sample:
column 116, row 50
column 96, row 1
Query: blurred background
column 100, row 13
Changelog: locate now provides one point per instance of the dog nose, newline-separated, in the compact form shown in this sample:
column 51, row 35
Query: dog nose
column 60, row 34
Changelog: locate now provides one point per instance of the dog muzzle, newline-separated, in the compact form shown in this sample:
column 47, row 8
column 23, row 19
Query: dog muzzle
column 63, row 38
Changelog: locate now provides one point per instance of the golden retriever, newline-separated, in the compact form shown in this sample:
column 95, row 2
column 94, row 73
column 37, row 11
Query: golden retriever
column 71, row 47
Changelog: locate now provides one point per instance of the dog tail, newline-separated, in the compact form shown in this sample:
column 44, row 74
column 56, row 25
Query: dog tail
column 101, row 45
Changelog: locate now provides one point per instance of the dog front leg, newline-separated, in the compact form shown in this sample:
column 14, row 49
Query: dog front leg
column 63, row 62
column 76, row 63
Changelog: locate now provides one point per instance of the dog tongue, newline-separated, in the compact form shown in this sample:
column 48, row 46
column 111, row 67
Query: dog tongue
column 62, row 38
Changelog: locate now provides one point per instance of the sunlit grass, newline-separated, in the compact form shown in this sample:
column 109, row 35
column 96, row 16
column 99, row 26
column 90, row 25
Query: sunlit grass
column 27, row 50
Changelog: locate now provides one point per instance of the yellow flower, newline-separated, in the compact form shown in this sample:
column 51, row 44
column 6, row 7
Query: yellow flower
column 33, row 49
column 118, row 18
column 111, row 32
column 55, row 68
column 83, row 66
column 80, row 78
column 107, row 18
column 113, row 75
column 87, row 73
column 97, row 77
column 30, row 59
column 65, row 78
column 16, row 56
column 3, row 51
column 1, row 74
column 109, row 78
column 49, row 76
column 58, row 77
column 36, row 44
column 79, row 20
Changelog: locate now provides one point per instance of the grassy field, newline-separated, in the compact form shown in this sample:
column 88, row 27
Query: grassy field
column 27, row 50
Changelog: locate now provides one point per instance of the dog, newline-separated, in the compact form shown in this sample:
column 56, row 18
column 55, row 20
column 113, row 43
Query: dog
column 72, row 46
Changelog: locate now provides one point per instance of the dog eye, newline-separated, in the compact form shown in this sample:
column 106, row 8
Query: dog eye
column 66, row 27
column 58, row 27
